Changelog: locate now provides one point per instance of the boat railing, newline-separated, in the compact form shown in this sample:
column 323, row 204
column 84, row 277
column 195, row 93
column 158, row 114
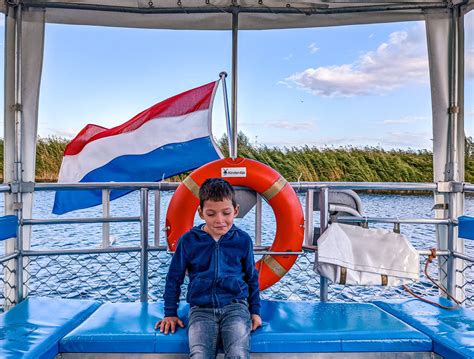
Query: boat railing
column 131, row 273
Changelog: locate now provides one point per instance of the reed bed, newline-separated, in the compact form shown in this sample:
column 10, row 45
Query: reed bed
column 296, row 163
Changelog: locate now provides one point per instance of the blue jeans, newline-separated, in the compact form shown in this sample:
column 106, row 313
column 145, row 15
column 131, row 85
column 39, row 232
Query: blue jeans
column 207, row 326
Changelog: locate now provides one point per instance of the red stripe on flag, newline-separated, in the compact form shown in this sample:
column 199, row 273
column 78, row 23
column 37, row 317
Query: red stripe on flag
column 186, row 102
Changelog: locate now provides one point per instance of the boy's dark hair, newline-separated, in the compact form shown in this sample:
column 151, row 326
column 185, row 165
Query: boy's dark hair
column 216, row 189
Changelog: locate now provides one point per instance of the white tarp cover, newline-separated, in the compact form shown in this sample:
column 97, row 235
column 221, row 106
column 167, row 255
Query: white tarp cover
column 254, row 14
column 366, row 255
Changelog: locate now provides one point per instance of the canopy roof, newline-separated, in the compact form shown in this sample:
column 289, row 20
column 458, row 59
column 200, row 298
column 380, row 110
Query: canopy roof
column 253, row 14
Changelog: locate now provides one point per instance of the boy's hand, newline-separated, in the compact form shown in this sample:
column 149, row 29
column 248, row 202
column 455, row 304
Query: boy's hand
column 256, row 321
column 168, row 323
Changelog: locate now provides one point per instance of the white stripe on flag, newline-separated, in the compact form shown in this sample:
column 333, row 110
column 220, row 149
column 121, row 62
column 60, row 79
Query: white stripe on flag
column 150, row 136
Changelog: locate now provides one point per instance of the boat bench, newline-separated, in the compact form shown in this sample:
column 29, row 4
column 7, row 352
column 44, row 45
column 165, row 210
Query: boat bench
column 288, row 327
column 33, row 328
column 452, row 331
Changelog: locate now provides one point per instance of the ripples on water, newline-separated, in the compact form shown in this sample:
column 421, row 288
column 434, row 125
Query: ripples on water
column 128, row 234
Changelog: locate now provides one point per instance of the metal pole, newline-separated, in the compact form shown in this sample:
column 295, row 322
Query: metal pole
column 230, row 137
column 324, row 221
column 258, row 221
column 235, row 33
column 248, row 10
column 18, row 169
column 157, row 217
column 105, row 214
column 144, row 245
column 452, row 170
column 453, row 111
column 451, row 260
column 308, row 223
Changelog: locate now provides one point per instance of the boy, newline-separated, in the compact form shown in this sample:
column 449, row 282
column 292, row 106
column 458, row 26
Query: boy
column 223, row 289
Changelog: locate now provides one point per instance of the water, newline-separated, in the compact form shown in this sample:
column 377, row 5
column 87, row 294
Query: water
column 116, row 277
column 126, row 234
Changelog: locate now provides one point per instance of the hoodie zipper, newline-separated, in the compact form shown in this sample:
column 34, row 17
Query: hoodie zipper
column 216, row 272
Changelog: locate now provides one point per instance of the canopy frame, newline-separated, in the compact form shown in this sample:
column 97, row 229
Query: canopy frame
column 24, row 45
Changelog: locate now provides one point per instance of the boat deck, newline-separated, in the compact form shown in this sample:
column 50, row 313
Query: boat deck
column 46, row 327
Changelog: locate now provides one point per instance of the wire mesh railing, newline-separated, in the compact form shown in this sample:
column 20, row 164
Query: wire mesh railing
column 301, row 283
column 110, row 276
column 7, row 281
column 467, row 272
column 115, row 274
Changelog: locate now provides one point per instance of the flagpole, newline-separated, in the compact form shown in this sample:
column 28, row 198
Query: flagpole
column 235, row 32
column 223, row 76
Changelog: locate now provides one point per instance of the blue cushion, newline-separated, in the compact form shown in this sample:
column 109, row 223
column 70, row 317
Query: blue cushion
column 452, row 331
column 295, row 327
column 8, row 227
column 32, row 329
column 288, row 327
column 124, row 328
column 466, row 227
column 177, row 342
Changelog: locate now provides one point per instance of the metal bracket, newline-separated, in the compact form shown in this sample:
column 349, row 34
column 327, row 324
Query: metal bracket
column 17, row 107
column 443, row 206
column 458, row 187
column 453, row 3
column 449, row 187
column 453, row 109
column 22, row 187
column 17, row 205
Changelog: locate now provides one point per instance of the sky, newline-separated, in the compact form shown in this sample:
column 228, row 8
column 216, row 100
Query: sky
column 362, row 85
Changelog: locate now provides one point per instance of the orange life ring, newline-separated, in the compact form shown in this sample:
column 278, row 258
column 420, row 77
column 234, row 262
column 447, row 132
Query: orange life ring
column 270, row 185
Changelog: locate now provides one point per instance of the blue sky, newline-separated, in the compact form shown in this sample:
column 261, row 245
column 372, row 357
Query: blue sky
column 340, row 86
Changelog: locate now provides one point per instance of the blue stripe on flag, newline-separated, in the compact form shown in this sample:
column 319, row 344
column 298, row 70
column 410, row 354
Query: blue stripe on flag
column 164, row 162
column 466, row 227
column 8, row 227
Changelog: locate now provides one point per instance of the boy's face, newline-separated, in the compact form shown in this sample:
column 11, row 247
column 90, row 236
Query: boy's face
column 219, row 216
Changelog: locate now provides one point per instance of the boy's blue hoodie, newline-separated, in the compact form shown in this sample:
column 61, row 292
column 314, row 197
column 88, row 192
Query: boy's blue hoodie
column 219, row 271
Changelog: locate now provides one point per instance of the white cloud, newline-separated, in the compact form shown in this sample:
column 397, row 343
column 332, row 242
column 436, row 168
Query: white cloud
column 469, row 63
column 281, row 124
column 371, row 36
column 391, row 140
column 288, row 125
column 402, row 59
column 289, row 57
column 62, row 133
column 405, row 120
column 313, row 48
column 469, row 43
column 408, row 139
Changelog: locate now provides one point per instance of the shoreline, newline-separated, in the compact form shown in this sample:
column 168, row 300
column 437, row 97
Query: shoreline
column 308, row 164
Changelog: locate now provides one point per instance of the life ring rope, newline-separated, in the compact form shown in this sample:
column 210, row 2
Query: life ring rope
column 275, row 188
column 276, row 267
column 192, row 186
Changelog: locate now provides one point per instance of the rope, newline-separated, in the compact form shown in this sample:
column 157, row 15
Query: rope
column 444, row 290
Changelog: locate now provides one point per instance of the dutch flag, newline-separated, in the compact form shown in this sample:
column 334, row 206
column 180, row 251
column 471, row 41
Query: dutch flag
column 169, row 138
